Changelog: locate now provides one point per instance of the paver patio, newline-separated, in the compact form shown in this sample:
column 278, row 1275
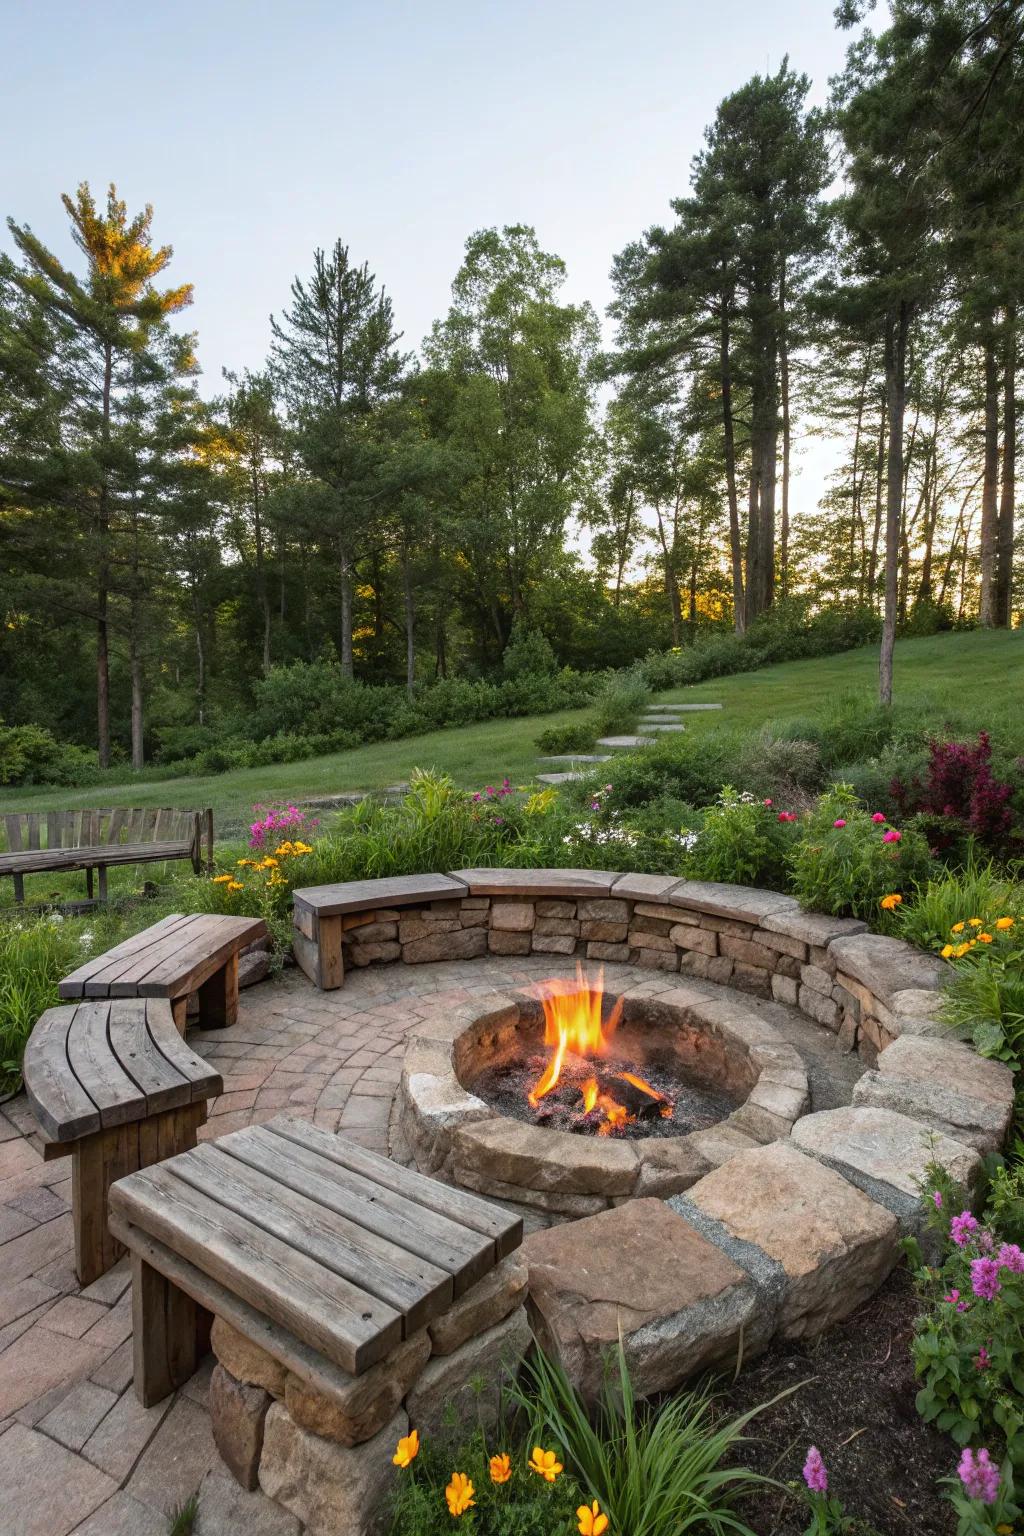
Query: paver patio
column 77, row 1452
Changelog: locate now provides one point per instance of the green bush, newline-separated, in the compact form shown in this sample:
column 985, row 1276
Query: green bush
column 568, row 738
column 619, row 701
column 845, row 862
column 31, row 755
column 680, row 767
column 769, row 766
column 528, row 653
column 744, row 841
column 787, row 634
column 35, row 953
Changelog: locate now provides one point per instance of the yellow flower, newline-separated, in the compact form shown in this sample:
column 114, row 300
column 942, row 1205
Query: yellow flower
column 501, row 1468
column 222, row 879
column 946, row 951
column 960, row 951
column 269, row 863
column 1002, row 923
column 890, row 903
column 545, row 1464
column 975, row 922
column 235, row 885
column 459, row 1494
column 246, row 864
column 407, row 1450
column 591, row 1520
column 984, row 938
column 957, row 928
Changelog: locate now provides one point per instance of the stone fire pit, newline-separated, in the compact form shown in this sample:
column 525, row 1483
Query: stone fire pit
column 755, row 1079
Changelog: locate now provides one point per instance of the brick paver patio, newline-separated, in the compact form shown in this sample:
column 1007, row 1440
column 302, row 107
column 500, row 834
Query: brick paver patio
column 77, row 1452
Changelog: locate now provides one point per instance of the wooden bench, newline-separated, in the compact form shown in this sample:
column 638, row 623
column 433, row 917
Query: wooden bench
column 174, row 958
column 45, row 842
column 320, row 914
column 113, row 1085
column 324, row 1254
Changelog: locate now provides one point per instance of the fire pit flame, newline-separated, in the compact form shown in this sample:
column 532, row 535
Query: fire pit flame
column 573, row 1027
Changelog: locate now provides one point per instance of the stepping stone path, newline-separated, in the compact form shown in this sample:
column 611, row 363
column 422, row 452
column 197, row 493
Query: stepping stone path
column 625, row 743
column 577, row 757
column 681, row 709
column 560, row 778
column 661, row 725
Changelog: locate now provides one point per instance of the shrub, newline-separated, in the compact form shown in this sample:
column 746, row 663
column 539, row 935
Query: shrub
column 653, row 839
column 31, row 755
column 34, row 955
column 787, row 634
column 654, row 1471
column 680, row 767
column 619, row 701
column 568, row 738
column 528, row 653
column 846, row 860
column 961, row 793
column 770, row 765
column 744, row 841
column 967, row 1342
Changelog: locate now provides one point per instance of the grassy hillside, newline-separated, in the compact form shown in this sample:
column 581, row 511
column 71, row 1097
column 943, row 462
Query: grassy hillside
column 977, row 678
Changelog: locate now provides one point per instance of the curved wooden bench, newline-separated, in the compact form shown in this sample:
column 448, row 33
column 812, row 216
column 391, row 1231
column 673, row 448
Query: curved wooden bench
column 113, row 1084
column 181, row 954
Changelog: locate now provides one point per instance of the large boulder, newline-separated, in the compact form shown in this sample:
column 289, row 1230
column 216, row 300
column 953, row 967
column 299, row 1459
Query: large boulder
column 834, row 1245
column 335, row 1490
column 642, row 1272
column 945, row 1085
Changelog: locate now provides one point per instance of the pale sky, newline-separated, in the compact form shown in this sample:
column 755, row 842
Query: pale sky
column 261, row 130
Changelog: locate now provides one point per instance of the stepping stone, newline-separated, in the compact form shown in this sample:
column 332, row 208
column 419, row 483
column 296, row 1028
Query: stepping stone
column 680, row 1303
column 943, row 1084
column 626, row 743
column 679, row 709
column 661, row 725
column 560, row 778
column 576, row 757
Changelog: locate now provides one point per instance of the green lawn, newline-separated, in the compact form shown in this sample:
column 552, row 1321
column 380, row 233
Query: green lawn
column 979, row 675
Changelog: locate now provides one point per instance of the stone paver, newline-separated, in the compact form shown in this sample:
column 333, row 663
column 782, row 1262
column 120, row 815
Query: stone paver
column 112, row 1467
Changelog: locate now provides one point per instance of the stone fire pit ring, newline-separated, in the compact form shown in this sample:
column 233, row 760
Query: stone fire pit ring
column 453, row 1133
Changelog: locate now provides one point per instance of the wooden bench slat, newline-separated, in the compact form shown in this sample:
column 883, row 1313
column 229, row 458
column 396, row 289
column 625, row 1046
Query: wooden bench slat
column 121, row 977
column 93, row 1063
column 135, row 1049
column 353, row 1329
column 197, row 958
column 205, row 1082
column 415, row 1288
column 128, row 947
column 455, row 1205
column 91, row 855
column 59, row 1102
column 444, row 1242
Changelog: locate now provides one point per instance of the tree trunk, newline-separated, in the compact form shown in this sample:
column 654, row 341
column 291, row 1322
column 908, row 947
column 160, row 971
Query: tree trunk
column 345, row 571
column 786, row 433
column 728, row 429
column 1008, row 488
column 262, row 594
column 896, row 332
column 671, row 581
column 877, row 525
column 103, row 578
column 138, row 752
column 409, row 603
column 764, row 431
column 989, row 508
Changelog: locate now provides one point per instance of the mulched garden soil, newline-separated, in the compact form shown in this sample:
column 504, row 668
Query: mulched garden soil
column 857, row 1407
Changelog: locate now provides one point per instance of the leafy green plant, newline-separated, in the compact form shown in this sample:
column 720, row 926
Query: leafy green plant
column 983, row 1496
column 770, row 765
column 847, row 862
column 182, row 1519
column 568, row 738
column 34, row 954
column 618, row 703
column 979, row 890
column 654, row 1471
column 744, row 841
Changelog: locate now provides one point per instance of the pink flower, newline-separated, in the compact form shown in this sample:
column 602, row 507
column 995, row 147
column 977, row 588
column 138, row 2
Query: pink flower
column 892, row 836
column 1010, row 1257
column 766, row 802
column 787, row 816
column 982, row 1361
column 985, row 1278
column 839, row 823
column 815, row 1473
column 878, row 818
column 953, row 1297
column 962, row 1228
column 986, row 1242
column 937, row 1199
column 979, row 1475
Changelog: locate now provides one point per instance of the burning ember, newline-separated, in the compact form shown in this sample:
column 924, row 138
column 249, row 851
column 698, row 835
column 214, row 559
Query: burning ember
column 607, row 1100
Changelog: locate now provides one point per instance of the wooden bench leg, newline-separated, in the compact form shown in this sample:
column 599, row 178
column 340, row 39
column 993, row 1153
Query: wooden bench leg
column 165, row 1345
column 218, row 997
column 19, row 888
column 88, row 883
column 102, row 871
column 97, row 1161
column 179, row 1012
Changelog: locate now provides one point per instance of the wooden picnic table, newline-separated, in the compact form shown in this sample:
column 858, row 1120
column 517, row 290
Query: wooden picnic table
column 324, row 1253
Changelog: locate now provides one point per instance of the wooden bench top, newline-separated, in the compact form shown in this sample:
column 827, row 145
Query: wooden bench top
column 346, row 1250
column 391, row 891
column 93, row 1065
column 40, row 860
column 171, row 958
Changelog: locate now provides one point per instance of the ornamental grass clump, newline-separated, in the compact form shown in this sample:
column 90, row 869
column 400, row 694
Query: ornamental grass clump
column 968, row 1344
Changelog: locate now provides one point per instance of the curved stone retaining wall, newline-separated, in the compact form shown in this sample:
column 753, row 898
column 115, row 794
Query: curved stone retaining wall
column 867, row 988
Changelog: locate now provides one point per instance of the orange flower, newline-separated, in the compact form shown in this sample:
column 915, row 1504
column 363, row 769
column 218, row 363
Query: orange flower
column 591, row 1520
column 984, row 938
column 975, row 922
column 1002, row 923
column 890, row 903
column 459, row 1494
column 407, row 1450
column 545, row 1464
column 235, row 885
column 501, row 1468
column 957, row 928
column 222, row 879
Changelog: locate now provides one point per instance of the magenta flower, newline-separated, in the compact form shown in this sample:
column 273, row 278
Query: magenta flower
column 985, row 1281
column 766, row 802
column 953, row 1297
column 878, row 818
column 982, row 1361
column 839, row 823
column 1010, row 1257
column 986, row 1242
column 892, row 836
column 962, row 1228
column 937, row 1199
column 477, row 795
column 979, row 1475
column 815, row 1473
column 787, row 816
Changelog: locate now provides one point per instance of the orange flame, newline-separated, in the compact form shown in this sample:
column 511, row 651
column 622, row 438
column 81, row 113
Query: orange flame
column 572, row 1022
column 589, row 1092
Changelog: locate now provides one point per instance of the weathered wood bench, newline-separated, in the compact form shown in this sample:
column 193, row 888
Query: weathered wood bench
column 174, row 958
column 113, row 1085
column 46, row 842
column 322, row 1253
